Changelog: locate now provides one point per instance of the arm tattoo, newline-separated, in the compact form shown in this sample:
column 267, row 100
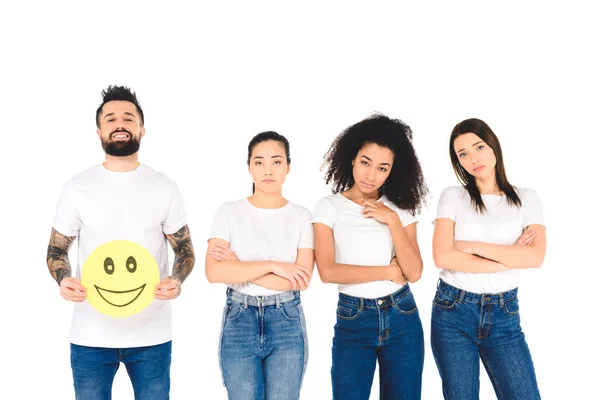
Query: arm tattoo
column 57, row 257
column 181, row 242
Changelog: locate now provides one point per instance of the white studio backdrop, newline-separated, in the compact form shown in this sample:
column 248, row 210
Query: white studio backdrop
column 209, row 77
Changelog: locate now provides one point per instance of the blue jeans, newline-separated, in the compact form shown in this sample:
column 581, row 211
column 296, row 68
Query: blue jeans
column 387, row 330
column 263, row 348
column 467, row 326
column 94, row 369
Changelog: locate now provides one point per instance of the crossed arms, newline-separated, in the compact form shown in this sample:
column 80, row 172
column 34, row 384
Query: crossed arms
column 527, row 252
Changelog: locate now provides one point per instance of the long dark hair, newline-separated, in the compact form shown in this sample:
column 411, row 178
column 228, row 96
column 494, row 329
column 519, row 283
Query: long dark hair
column 485, row 133
column 405, row 185
column 265, row 137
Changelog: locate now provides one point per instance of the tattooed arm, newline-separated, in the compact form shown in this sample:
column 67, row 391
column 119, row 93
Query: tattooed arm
column 60, row 268
column 181, row 242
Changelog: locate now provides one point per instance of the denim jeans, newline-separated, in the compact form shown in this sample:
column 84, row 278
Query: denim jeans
column 467, row 326
column 387, row 330
column 263, row 348
column 94, row 369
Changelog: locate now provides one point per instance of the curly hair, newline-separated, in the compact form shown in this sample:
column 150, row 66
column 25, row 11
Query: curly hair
column 405, row 185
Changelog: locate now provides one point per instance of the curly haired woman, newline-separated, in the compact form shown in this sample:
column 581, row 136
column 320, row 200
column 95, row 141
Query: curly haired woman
column 366, row 242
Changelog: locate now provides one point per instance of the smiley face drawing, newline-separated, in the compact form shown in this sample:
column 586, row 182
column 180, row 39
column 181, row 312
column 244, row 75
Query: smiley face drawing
column 120, row 277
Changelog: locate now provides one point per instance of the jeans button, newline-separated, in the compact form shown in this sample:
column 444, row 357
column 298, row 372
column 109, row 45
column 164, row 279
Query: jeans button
column 380, row 302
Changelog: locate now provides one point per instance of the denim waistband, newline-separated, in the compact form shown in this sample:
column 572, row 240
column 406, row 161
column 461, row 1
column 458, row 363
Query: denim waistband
column 379, row 302
column 256, row 301
column 469, row 297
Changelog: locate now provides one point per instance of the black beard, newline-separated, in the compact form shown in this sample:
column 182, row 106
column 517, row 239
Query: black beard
column 122, row 148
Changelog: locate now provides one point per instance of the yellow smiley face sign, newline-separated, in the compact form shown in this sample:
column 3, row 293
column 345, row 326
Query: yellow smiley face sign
column 120, row 277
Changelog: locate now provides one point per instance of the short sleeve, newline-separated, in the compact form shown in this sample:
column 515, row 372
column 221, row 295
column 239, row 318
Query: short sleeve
column 532, row 209
column 307, row 237
column 407, row 218
column 175, row 218
column 221, row 227
column 324, row 213
column 446, row 208
column 67, row 221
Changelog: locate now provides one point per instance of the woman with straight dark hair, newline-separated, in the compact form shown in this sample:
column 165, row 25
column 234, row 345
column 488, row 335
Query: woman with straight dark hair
column 262, row 248
column 366, row 242
column 486, row 230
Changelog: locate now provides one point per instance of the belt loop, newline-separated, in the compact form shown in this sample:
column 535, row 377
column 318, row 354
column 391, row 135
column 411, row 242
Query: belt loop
column 501, row 300
column 393, row 300
column 461, row 296
column 361, row 303
column 438, row 283
column 277, row 301
column 245, row 304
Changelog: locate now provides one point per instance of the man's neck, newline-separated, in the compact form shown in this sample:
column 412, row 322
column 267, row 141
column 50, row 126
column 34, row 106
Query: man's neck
column 121, row 164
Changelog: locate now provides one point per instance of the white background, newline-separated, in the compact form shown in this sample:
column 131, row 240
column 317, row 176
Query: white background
column 210, row 77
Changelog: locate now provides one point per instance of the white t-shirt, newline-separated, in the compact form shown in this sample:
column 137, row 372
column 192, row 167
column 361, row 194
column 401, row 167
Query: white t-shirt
column 100, row 206
column 261, row 234
column 500, row 224
column 360, row 240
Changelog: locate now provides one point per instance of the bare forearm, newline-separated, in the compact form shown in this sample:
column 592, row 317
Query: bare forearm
column 273, row 282
column 57, row 256
column 349, row 274
column 458, row 261
column 181, row 242
column 407, row 255
column 232, row 272
column 511, row 256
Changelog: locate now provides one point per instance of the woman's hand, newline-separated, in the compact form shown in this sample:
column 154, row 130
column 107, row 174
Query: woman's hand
column 221, row 252
column 379, row 211
column 399, row 279
column 297, row 274
column 526, row 237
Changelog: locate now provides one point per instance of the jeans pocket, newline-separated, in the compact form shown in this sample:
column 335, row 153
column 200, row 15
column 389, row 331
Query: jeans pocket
column 407, row 304
column 511, row 307
column 347, row 311
column 444, row 301
column 290, row 310
column 234, row 310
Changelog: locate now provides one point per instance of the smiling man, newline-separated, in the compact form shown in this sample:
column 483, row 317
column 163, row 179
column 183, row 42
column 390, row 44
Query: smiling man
column 123, row 213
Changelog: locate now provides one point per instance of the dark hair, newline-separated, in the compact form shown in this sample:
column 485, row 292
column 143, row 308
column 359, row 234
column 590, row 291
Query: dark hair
column 405, row 186
column 120, row 93
column 265, row 137
column 485, row 133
